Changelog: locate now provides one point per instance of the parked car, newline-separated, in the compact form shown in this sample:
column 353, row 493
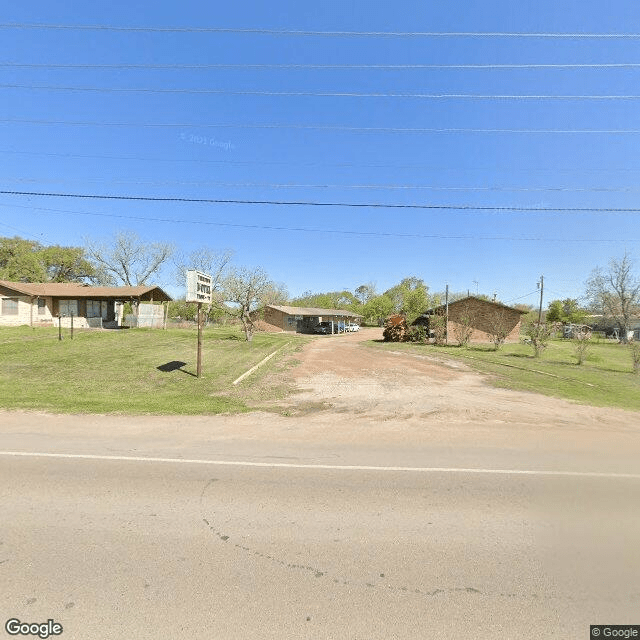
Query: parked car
column 323, row 327
column 352, row 326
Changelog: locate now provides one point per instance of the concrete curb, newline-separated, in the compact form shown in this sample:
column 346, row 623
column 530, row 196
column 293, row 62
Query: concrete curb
column 257, row 366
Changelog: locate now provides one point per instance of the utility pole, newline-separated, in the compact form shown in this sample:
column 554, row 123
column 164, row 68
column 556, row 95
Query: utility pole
column 541, row 287
column 446, row 315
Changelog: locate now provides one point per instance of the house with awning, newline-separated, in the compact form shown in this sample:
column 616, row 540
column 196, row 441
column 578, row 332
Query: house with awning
column 39, row 303
column 302, row 319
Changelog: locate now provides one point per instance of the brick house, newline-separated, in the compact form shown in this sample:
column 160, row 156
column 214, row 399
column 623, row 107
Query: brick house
column 301, row 319
column 38, row 304
column 481, row 315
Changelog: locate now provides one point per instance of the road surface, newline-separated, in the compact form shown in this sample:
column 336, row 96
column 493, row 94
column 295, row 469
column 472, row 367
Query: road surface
column 198, row 529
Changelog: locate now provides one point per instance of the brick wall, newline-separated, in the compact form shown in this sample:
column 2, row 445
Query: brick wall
column 24, row 311
column 272, row 320
column 482, row 315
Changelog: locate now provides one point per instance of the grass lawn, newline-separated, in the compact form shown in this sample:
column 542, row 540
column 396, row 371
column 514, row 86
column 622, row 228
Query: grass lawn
column 606, row 379
column 117, row 371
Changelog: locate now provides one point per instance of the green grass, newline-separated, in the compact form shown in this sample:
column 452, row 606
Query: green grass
column 606, row 379
column 116, row 371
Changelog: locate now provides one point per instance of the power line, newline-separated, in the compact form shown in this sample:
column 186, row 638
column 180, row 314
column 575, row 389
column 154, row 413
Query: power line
column 316, row 164
column 312, row 230
column 390, row 67
column 289, row 185
column 526, row 295
column 321, row 94
column 301, row 32
column 318, row 127
column 313, row 203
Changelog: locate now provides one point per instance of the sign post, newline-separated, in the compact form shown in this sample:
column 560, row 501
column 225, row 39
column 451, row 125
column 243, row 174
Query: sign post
column 199, row 290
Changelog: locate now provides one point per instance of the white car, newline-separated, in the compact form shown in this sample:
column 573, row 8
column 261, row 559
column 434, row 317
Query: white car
column 350, row 326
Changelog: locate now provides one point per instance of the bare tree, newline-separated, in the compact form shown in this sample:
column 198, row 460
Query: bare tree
column 366, row 292
column 209, row 261
column 581, row 343
column 463, row 326
column 215, row 263
column 248, row 289
column 127, row 259
column 539, row 334
column 615, row 292
column 499, row 327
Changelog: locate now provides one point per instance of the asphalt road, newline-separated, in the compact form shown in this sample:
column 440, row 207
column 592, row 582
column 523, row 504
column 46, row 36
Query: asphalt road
column 314, row 541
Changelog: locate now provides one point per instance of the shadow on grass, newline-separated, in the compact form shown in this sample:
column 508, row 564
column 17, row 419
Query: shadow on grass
column 175, row 365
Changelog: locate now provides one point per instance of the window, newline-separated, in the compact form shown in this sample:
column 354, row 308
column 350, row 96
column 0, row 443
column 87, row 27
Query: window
column 68, row 308
column 9, row 306
column 97, row 309
column 42, row 306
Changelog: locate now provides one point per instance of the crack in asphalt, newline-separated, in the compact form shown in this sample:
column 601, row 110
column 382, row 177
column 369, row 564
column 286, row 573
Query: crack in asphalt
column 319, row 573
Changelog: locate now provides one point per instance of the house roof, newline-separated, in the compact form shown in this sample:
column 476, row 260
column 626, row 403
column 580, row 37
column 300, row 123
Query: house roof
column 76, row 290
column 463, row 300
column 311, row 311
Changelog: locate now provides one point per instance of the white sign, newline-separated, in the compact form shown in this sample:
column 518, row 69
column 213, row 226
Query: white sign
column 199, row 288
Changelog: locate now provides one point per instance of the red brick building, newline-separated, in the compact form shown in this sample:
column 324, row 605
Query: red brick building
column 481, row 316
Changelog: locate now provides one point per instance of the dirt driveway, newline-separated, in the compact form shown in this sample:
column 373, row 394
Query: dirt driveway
column 355, row 396
column 364, row 383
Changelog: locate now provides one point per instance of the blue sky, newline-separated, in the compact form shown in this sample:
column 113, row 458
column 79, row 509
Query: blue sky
column 341, row 149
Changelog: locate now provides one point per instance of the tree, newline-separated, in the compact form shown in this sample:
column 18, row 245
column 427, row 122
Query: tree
column 216, row 264
column 567, row 311
column 127, row 259
column 463, row 327
column 615, row 292
column 246, row 290
column 19, row 260
column 329, row 300
column 539, row 334
column 582, row 343
column 67, row 264
column 29, row 261
column 499, row 327
column 377, row 309
column 410, row 297
column 365, row 292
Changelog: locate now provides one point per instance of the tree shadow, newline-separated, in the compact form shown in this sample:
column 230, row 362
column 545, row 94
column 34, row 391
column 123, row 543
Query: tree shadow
column 174, row 365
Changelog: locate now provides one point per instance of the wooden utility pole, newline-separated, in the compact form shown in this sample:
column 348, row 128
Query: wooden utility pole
column 199, row 359
column 446, row 315
column 541, row 285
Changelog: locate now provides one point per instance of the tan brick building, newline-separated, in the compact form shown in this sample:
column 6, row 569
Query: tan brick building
column 480, row 315
column 35, row 304
column 302, row 319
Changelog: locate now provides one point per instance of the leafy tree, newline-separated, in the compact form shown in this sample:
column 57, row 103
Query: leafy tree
column 377, row 309
column 128, row 260
column 29, row 261
column 67, row 264
column 410, row 297
column 329, row 300
column 566, row 311
column 615, row 292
